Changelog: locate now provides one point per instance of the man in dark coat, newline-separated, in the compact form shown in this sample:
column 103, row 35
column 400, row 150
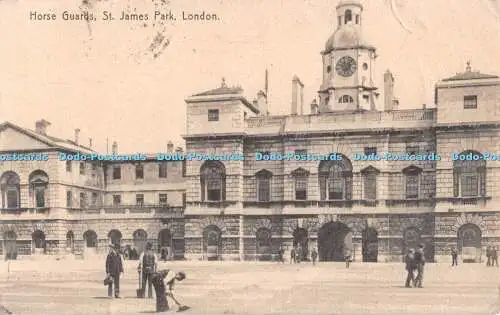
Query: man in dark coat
column 293, row 255
column 488, row 256
column 420, row 262
column 314, row 256
column 494, row 256
column 454, row 257
column 114, row 269
column 147, row 266
column 410, row 268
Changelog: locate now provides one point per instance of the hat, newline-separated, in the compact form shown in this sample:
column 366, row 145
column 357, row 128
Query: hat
column 182, row 275
column 114, row 246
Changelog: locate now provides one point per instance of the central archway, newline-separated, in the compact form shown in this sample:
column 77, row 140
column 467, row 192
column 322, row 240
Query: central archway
column 9, row 245
column 212, row 242
column 370, row 245
column 164, row 243
column 469, row 242
column 115, row 237
column 38, row 243
column 140, row 239
column 301, row 240
column 332, row 239
column 263, row 238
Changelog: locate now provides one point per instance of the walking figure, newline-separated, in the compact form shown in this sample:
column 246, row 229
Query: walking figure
column 114, row 269
column 420, row 262
column 298, row 254
column 410, row 268
column 494, row 256
column 454, row 257
column 347, row 257
column 314, row 256
column 281, row 254
column 488, row 256
column 292, row 255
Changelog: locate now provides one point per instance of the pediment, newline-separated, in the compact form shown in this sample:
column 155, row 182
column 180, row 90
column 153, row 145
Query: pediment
column 263, row 173
column 412, row 169
column 370, row 170
column 300, row 172
column 12, row 139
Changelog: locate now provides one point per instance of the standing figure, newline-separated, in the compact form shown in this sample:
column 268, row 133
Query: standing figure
column 410, row 268
column 147, row 266
column 454, row 257
column 494, row 256
column 488, row 256
column 292, row 255
column 163, row 283
column 420, row 262
column 298, row 254
column 281, row 254
column 347, row 257
column 314, row 256
column 114, row 269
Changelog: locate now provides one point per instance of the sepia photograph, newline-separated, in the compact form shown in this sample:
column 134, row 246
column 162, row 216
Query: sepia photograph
column 250, row 157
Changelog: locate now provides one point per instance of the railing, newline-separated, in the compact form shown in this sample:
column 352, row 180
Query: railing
column 410, row 203
column 413, row 114
column 312, row 203
column 20, row 211
column 212, row 204
column 465, row 200
column 130, row 209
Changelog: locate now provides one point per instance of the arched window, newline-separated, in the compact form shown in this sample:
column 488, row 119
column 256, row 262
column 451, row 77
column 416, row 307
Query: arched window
column 90, row 238
column 346, row 99
column 213, row 181
column 412, row 181
column 347, row 16
column 469, row 177
column 10, row 186
column 70, row 240
column 38, row 185
column 357, row 19
column 335, row 179
column 264, row 185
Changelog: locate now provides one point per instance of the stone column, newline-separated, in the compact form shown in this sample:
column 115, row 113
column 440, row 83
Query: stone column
column 241, row 247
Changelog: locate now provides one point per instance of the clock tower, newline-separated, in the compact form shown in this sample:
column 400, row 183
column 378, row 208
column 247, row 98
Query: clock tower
column 348, row 64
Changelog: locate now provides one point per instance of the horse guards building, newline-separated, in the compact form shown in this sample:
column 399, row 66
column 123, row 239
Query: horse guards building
column 246, row 209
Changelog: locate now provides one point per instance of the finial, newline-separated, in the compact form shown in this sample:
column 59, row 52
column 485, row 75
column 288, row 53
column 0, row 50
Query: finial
column 468, row 68
column 223, row 83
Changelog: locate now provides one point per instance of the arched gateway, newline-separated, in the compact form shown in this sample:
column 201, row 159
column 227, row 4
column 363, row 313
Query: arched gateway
column 334, row 240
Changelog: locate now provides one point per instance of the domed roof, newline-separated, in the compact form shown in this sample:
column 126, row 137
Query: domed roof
column 347, row 36
column 349, row 2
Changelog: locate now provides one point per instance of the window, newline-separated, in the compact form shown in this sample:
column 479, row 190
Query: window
column 245, row 115
column 347, row 16
column 117, row 172
column 117, row 200
column 357, row 18
column 470, row 101
column 370, row 186
column 139, row 171
column 335, row 180
column 82, row 168
column 340, row 20
column 300, row 152
column 469, row 177
column 370, row 150
column 346, row 99
column 213, row 115
column 328, row 69
column 39, row 196
column 412, row 149
column 213, row 181
column 94, row 198
column 83, row 200
column 162, row 170
column 264, row 185
column 69, row 199
column 10, row 185
column 139, row 199
column 163, row 199
column 412, row 182
column 301, row 187
column 68, row 166
column 94, row 167
column 327, row 100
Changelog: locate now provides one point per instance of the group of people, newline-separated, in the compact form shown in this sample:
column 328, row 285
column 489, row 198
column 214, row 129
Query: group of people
column 297, row 254
column 415, row 261
column 162, row 280
column 492, row 256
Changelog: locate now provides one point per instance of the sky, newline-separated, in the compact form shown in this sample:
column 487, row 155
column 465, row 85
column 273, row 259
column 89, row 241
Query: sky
column 102, row 78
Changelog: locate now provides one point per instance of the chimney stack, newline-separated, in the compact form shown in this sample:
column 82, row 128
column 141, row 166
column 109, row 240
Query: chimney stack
column 170, row 147
column 262, row 103
column 314, row 107
column 77, row 135
column 90, row 143
column 114, row 147
column 297, row 96
column 388, row 91
column 41, row 126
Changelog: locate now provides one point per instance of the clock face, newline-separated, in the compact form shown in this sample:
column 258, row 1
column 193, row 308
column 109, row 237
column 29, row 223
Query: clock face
column 346, row 66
